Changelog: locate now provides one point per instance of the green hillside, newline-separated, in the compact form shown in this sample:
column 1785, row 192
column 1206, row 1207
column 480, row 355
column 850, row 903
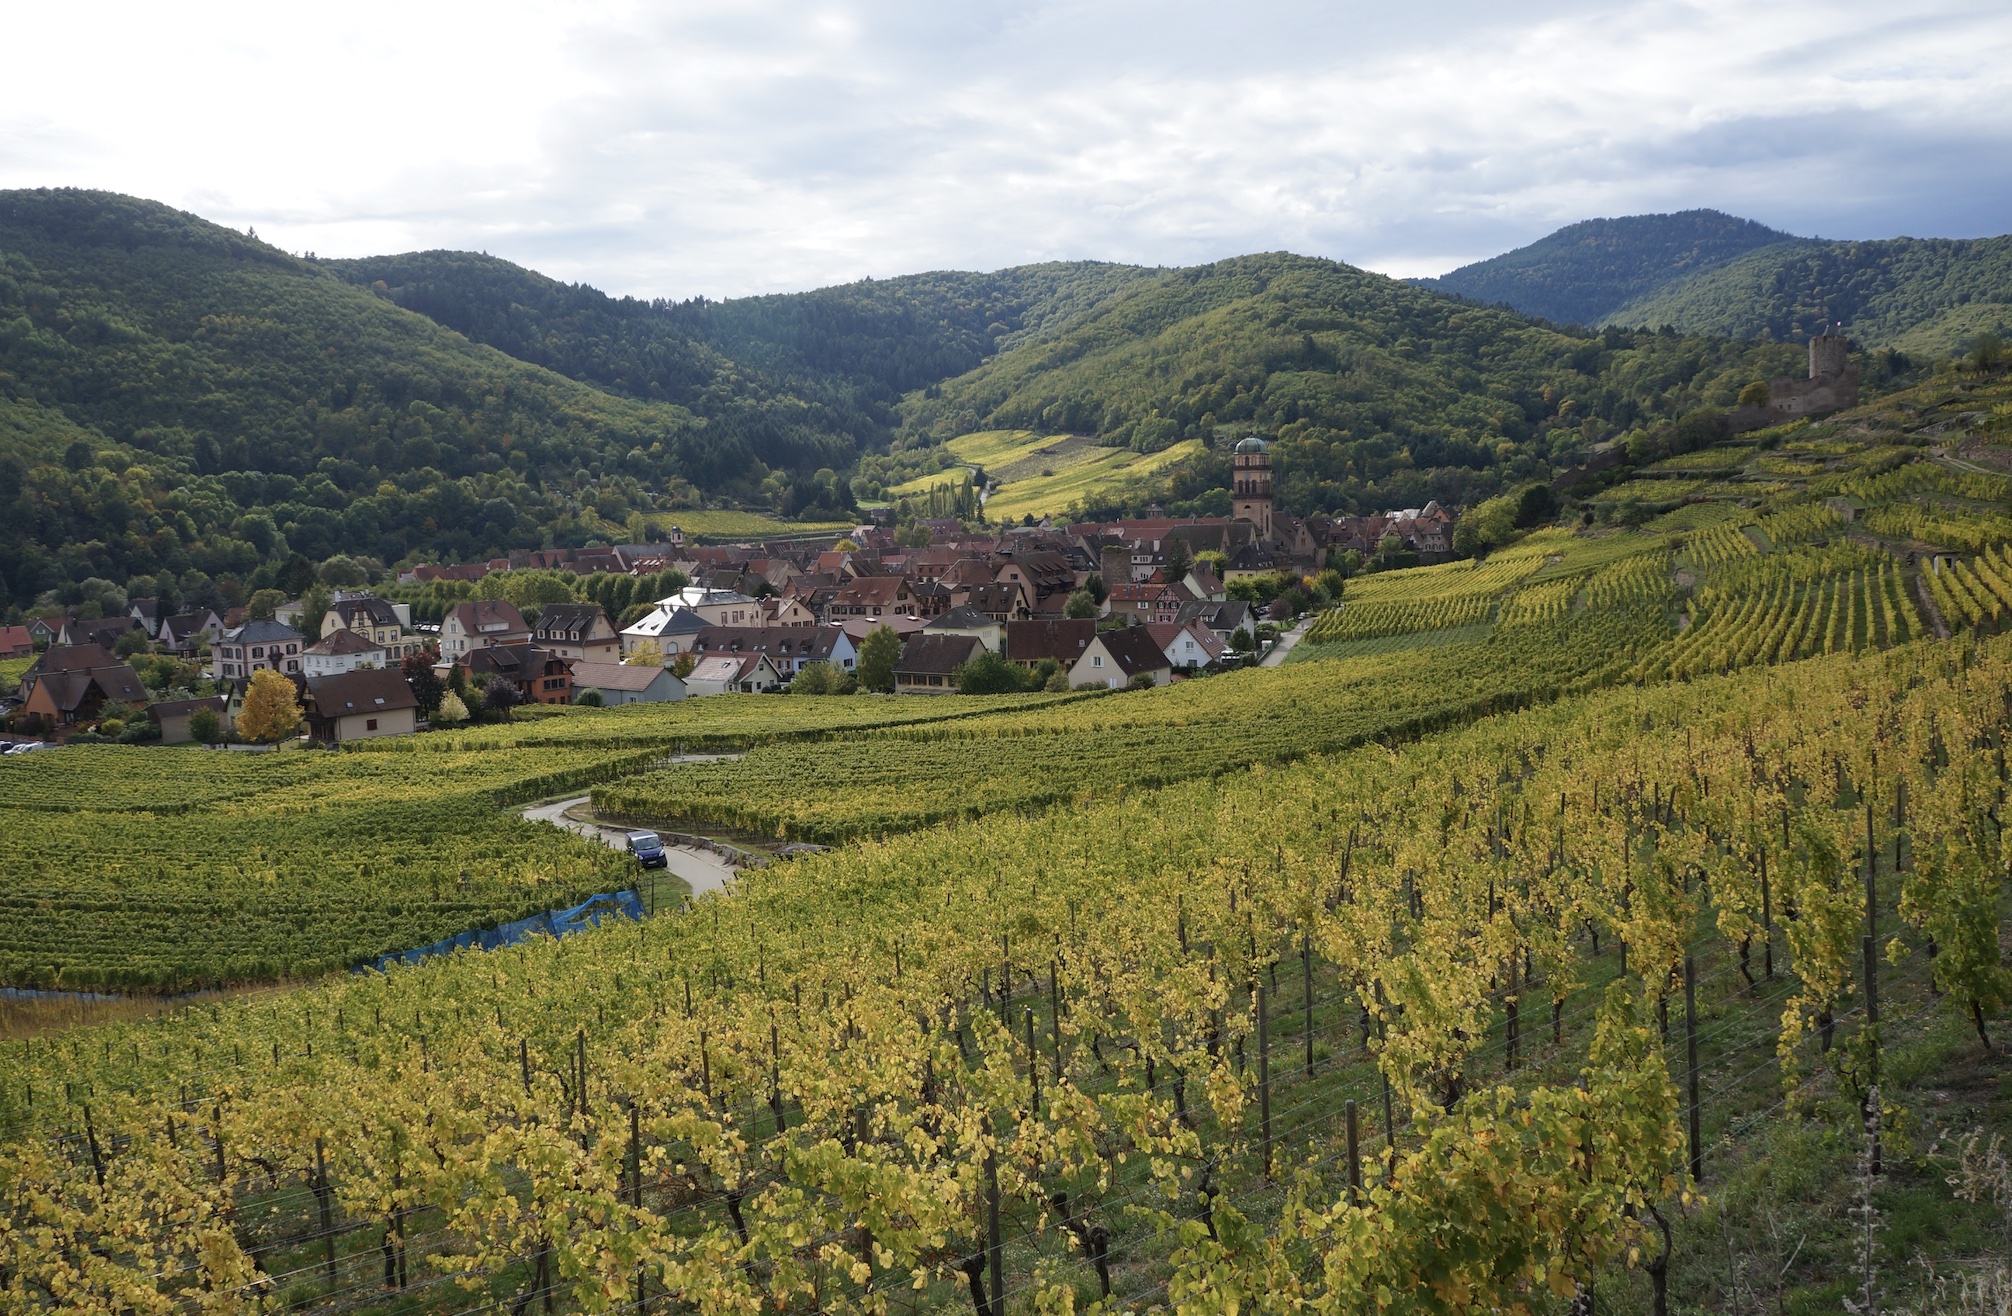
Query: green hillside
column 185, row 408
column 1923, row 296
column 1584, row 271
column 179, row 398
column 803, row 379
column 1377, row 392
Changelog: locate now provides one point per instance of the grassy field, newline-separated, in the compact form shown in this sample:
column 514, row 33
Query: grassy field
column 1046, row 474
column 740, row 525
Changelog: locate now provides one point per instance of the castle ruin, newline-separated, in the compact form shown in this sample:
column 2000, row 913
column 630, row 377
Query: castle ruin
column 1832, row 385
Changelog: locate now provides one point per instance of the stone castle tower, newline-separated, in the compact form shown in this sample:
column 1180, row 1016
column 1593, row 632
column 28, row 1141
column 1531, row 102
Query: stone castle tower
column 1250, row 488
column 1829, row 354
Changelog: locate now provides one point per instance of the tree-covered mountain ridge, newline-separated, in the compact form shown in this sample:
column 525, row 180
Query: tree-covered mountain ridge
column 1926, row 297
column 180, row 398
column 1583, row 272
column 1708, row 273
column 833, row 361
column 183, row 403
column 1375, row 392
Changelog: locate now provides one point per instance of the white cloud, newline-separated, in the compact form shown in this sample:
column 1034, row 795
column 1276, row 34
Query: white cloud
column 673, row 149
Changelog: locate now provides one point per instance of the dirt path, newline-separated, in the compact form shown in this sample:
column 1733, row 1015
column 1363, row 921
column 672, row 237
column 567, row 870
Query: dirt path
column 1928, row 608
column 702, row 870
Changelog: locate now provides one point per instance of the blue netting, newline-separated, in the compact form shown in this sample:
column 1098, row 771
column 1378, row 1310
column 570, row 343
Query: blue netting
column 556, row 923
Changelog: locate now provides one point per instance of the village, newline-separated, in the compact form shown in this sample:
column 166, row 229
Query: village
column 1090, row 605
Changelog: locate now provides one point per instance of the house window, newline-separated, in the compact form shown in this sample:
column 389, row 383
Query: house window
column 259, row 652
column 370, row 724
column 1096, row 660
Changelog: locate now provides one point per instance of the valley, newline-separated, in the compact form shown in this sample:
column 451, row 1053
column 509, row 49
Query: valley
column 1597, row 899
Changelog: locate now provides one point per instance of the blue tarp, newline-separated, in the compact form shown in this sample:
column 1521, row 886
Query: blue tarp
column 557, row 923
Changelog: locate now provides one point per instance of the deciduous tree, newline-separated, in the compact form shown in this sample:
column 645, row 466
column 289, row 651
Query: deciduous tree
column 271, row 712
column 877, row 655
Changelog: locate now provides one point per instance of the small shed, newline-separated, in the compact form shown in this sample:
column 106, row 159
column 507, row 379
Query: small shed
column 173, row 716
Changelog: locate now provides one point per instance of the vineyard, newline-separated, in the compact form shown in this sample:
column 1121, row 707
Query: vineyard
column 1206, row 1048
column 1786, row 606
column 1429, row 598
column 1973, row 594
column 133, row 868
column 879, row 782
column 137, row 869
column 1545, row 940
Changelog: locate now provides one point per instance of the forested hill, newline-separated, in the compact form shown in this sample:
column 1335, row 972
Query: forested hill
column 1377, row 393
column 179, row 397
column 1923, row 296
column 1703, row 272
column 798, row 369
column 1585, row 272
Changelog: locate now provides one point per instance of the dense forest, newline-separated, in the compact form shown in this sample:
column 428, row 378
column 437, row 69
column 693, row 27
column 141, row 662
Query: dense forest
column 1584, row 272
column 1376, row 393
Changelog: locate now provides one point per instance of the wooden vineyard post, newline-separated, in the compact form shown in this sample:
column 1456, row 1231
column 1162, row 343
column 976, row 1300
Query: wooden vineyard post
column 635, row 1168
column 1872, row 1058
column 1509, row 1026
column 1306, row 985
column 1055, row 1010
column 994, row 1253
column 1767, row 921
column 1354, row 1158
column 1871, row 949
column 97, row 1160
column 1871, row 878
column 321, row 1195
column 1389, row 1131
column 775, row 1076
column 1899, row 818
column 1264, row 1077
column 1691, row 1065
column 1033, row 1067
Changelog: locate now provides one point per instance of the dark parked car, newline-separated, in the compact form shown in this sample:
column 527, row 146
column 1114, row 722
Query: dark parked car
column 648, row 848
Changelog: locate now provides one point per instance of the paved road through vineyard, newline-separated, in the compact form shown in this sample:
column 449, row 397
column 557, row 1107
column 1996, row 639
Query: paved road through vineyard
column 702, row 870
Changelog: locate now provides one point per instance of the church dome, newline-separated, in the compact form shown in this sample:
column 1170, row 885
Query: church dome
column 1252, row 444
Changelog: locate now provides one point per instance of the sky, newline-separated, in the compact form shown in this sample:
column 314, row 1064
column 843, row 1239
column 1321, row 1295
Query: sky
column 680, row 149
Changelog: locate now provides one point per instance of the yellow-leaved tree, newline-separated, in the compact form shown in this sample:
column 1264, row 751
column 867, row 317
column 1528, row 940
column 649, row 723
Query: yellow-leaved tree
column 271, row 712
column 647, row 653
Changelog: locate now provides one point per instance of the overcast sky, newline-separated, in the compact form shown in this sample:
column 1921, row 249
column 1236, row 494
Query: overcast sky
column 743, row 146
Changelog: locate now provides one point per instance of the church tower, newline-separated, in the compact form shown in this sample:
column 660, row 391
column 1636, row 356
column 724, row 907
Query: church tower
column 1250, row 488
